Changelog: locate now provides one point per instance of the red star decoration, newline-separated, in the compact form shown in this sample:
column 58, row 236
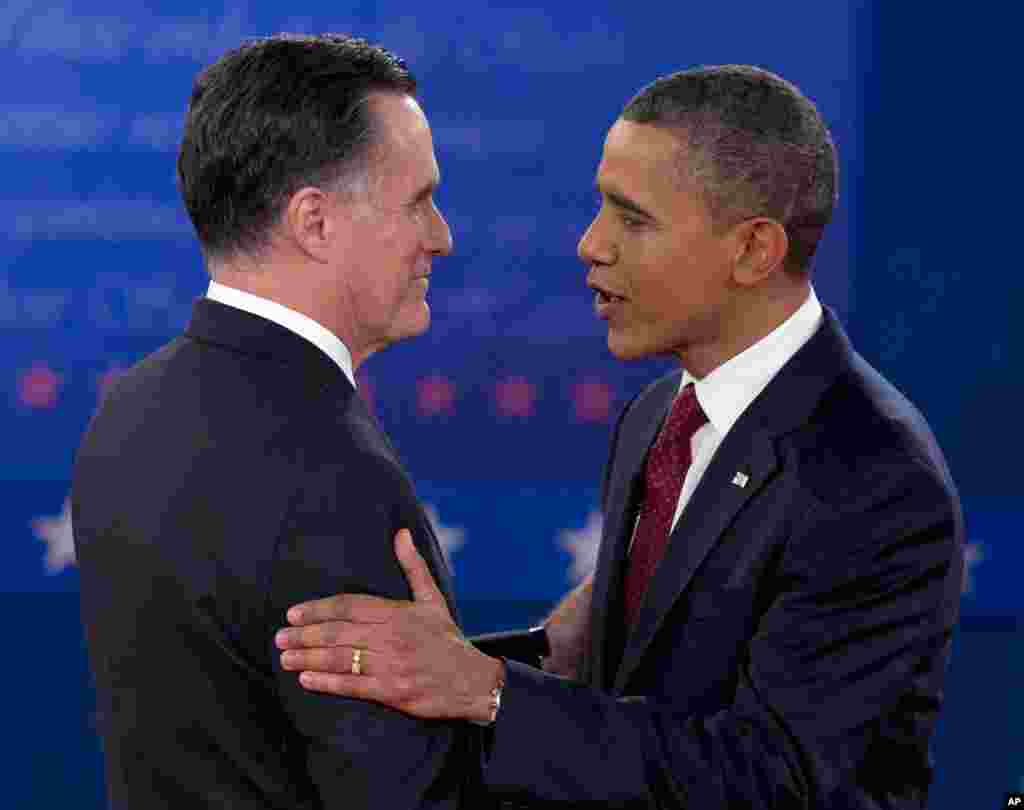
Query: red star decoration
column 515, row 396
column 593, row 400
column 435, row 395
column 37, row 387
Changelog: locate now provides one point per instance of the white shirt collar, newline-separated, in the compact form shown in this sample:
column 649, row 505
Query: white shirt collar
column 726, row 392
column 293, row 321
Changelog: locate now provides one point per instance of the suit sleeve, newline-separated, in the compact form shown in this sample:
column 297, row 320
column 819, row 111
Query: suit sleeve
column 837, row 695
column 338, row 537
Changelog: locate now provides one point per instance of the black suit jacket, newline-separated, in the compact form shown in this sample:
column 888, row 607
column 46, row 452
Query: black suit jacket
column 791, row 648
column 227, row 476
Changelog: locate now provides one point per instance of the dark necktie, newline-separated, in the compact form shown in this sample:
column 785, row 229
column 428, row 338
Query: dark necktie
column 666, row 468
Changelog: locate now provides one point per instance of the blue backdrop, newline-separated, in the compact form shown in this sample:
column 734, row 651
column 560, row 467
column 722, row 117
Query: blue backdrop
column 503, row 410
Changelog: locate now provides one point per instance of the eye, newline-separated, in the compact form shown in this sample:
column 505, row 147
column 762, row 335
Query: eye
column 630, row 221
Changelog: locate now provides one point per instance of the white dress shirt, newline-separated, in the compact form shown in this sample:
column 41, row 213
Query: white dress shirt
column 727, row 392
column 293, row 321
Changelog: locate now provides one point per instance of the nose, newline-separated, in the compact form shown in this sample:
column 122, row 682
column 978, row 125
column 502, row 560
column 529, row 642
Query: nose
column 441, row 235
column 594, row 247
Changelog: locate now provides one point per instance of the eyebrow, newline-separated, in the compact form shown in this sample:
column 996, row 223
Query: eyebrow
column 622, row 201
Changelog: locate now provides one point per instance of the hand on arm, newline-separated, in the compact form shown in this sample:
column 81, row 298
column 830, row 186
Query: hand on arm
column 843, row 662
column 357, row 753
column 414, row 657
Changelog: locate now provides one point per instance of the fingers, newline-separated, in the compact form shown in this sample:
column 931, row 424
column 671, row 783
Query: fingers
column 341, row 607
column 331, row 660
column 329, row 634
column 363, row 687
column 320, row 610
column 424, row 589
column 383, row 689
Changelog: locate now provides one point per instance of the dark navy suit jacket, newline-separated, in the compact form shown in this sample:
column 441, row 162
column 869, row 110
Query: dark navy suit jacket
column 226, row 477
column 791, row 648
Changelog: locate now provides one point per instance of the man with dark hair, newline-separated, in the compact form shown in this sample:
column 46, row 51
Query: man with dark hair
column 771, row 614
column 236, row 470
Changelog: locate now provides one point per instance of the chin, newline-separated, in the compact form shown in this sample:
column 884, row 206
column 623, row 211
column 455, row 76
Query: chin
column 627, row 350
column 416, row 324
column 423, row 322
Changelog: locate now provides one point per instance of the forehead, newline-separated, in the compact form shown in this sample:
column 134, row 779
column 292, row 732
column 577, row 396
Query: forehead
column 404, row 144
column 400, row 116
column 642, row 160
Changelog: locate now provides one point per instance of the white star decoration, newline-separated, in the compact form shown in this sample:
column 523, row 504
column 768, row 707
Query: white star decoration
column 450, row 538
column 974, row 553
column 55, row 531
column 583, row 544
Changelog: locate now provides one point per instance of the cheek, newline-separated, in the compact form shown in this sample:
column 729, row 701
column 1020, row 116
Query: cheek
column 392, row 274
column 658, row 284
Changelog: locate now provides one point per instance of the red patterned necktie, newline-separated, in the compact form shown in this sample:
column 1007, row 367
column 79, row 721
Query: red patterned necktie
column 667, row 464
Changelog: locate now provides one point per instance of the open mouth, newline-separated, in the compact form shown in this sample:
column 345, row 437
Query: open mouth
column 606, row 304
column 602, row 295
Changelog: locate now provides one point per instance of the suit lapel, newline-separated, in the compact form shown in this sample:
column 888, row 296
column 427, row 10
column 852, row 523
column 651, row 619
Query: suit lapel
column 785, row 404
column 714, row 504
column 624, row 494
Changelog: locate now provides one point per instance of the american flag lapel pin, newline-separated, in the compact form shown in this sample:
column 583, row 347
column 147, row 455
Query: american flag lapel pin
column 740, row 479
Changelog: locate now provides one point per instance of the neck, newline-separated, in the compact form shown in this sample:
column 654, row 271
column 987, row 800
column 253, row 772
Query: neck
column 291, row 285
column 265, row 279
column 743, row 326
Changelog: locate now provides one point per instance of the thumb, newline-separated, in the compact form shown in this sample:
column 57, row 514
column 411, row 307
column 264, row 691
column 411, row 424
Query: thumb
column 424, row 589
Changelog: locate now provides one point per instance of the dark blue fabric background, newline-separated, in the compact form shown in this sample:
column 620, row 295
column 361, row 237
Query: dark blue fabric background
column 98, row 267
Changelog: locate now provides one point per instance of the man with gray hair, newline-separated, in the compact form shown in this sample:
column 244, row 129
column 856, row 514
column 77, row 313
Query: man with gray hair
column 236, row 470
column 770, row 619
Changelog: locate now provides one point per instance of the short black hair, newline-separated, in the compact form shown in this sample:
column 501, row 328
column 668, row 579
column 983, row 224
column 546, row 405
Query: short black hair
column 756, row 146
column 270, row 117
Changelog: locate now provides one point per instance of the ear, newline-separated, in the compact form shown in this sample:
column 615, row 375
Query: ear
column 761, row 248
column 309, row 222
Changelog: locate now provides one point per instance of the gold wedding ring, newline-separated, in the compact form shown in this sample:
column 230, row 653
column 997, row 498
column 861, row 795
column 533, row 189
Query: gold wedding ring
column 357, row 668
